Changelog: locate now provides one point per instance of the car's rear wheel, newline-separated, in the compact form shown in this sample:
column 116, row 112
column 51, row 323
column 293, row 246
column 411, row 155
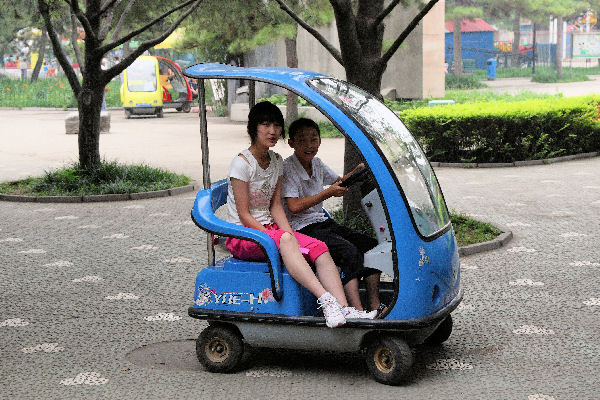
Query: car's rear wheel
column 389, row 359
column 220, row 348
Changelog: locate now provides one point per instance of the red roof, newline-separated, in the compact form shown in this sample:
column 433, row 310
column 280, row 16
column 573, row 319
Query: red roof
column 477, row 25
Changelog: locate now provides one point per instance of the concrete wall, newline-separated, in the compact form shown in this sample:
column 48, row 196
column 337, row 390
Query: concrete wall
column 417, row 68
column 415, row 71
column 312, row 56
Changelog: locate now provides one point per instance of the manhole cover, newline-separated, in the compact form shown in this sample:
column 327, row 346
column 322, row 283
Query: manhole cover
column 177, row 355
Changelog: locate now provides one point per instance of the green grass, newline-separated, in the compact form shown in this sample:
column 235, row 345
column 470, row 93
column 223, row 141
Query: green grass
column 48, row 92
column 281, row 100
column 580, row 73
column 568, row 75
column 470, row 231
column 469, row 96
column 467, row 230
column 359, row 223
column 464, row 82
column 110, row 177
column 478, row 96
column 328, row 130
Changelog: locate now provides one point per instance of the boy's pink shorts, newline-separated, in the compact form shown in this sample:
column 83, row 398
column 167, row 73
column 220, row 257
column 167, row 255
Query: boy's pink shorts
column 310, row 248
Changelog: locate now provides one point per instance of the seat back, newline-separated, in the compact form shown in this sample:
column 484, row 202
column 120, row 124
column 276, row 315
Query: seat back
column 203, row 214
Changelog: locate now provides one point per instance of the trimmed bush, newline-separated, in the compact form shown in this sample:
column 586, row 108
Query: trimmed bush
column 507, row 131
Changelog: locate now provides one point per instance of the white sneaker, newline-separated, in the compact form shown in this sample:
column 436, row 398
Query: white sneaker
column 353, row 313
column 331, row 310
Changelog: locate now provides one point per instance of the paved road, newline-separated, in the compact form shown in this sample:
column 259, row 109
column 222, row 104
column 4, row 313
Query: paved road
column 93, row 297
column 567, row 89
column 35, row 141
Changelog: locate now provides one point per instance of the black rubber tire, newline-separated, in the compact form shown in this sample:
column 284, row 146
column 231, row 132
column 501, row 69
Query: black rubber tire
column 220, row 348
column 389, row 359
column 160, row 113
column 187, row 107
column 441, row 334
column 127, row 114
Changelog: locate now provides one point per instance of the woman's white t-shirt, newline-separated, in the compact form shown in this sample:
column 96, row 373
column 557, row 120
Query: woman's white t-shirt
column 261, row 185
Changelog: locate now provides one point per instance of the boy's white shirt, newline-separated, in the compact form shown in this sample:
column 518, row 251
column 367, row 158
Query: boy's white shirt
column 261, row 185
column 296, row 183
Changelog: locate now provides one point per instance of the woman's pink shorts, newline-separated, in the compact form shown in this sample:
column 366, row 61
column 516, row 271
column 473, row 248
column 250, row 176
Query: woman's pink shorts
column 246, row 250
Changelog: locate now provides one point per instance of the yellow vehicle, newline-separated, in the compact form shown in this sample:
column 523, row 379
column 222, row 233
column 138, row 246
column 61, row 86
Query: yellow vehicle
column 151, row 84
column 141, row 91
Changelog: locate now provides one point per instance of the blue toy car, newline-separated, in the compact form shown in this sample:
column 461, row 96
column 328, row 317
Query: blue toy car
column 258, row 304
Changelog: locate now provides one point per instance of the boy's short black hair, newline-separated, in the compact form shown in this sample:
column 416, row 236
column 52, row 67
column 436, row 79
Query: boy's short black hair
column 302, row 123
column 264, row 112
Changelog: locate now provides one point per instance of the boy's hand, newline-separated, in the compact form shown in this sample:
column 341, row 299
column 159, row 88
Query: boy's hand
column 336, row 190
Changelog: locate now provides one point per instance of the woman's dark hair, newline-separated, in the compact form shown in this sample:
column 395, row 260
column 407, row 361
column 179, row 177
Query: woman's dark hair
column 302, row 123
column 264, row 112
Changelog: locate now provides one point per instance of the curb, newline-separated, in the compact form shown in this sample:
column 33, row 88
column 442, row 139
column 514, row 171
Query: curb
column 516, row 163
column 499, row 241
column 102, row 197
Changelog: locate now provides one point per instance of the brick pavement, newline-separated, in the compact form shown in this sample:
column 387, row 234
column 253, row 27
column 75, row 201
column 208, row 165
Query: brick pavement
column 84, row 285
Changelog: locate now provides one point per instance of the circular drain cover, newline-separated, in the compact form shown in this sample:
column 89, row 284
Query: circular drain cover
column 177, row 355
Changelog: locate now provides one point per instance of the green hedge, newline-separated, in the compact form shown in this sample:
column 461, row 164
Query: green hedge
column 507, row 131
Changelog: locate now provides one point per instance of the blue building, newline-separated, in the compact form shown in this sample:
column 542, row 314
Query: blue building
column 477, row 38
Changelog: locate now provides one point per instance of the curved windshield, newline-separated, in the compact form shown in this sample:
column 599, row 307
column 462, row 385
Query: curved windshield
column 402, row 151
column 141, row 76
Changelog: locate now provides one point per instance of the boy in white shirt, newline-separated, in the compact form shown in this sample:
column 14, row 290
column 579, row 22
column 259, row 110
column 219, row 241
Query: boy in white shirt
column 304, row 176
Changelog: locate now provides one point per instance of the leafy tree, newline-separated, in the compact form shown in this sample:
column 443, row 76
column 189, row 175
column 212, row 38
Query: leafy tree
column 539, row 11
column 458, row 11
column 14, row 17
column 561, row 9
column 224, row 31
column 513, row 9
column 98, row 20
column 360, row 25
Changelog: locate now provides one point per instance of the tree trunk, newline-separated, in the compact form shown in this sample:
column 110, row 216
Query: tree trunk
column 559, row 46
column 89, row 105
column 41, row 52
column 457, row 52
column 360, row 45
column 534, row 49
column 371, row 82
column 516, row 44
column 292, row 62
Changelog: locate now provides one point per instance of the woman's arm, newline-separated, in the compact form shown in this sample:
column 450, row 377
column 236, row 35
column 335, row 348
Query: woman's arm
column 242, row 204
column 277, row 211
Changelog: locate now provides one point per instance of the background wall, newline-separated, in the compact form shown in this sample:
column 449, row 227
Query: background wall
column 415, row 71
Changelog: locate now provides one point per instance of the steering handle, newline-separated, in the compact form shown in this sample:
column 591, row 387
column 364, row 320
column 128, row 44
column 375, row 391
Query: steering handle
column 356, row 177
